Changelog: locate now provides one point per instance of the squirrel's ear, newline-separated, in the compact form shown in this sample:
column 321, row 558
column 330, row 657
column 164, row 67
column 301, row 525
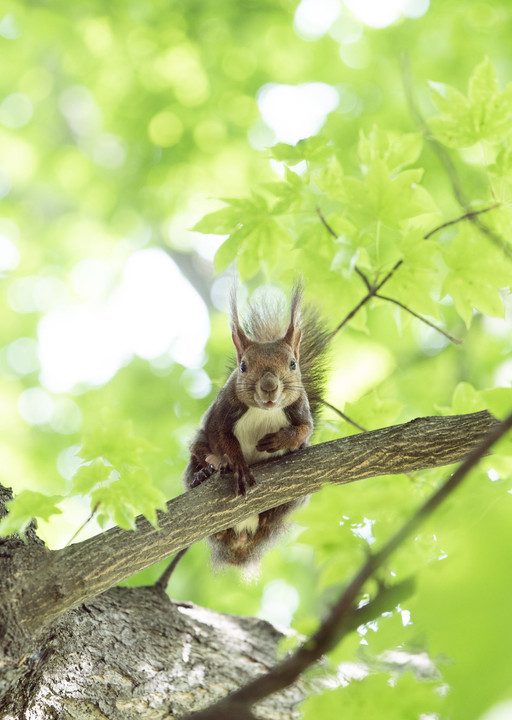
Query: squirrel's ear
column 293, row 334
column 292, row 338
column 240, row 339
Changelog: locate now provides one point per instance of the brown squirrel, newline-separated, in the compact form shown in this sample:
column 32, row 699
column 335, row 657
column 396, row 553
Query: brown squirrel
column 266, row 409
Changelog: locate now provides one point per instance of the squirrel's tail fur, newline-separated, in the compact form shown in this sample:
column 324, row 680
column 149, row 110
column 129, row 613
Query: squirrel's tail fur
column 230, row 547
column 266, row 320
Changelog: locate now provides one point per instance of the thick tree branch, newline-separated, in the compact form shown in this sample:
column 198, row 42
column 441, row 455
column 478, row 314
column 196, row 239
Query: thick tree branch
column 45, row 584
column 341, row 618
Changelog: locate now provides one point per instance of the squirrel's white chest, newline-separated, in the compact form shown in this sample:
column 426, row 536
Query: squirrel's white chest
column 255, row 424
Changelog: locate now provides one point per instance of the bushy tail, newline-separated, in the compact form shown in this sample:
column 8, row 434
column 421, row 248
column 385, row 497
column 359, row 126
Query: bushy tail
column 313, row 357
column 230, row 547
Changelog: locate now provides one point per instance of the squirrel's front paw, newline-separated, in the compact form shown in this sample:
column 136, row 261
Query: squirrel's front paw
column 242, row 474
column 202, row 475
column 272, row 442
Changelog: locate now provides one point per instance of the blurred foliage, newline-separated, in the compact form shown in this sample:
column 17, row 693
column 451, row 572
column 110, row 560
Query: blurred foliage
column 122, row 126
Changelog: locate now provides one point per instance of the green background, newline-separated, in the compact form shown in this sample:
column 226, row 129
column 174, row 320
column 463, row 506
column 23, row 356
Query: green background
column 121, row 126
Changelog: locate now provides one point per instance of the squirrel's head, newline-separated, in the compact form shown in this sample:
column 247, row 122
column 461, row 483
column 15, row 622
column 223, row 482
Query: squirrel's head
column 268, row 373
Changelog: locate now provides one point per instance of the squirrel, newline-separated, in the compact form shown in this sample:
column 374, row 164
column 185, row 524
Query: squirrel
column 266, row 408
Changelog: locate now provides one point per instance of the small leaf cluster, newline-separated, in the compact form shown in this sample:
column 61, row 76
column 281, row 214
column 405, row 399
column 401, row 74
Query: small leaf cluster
column 114, row 476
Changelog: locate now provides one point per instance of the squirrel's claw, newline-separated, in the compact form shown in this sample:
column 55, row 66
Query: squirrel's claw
column 242, row 474
column 271, row 442
column 202, row 475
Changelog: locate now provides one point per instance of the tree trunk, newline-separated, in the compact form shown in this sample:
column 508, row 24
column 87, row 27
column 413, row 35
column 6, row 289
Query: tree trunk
column 133, row 653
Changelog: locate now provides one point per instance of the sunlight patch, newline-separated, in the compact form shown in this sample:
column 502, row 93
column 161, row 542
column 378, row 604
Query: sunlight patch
column 294, row 112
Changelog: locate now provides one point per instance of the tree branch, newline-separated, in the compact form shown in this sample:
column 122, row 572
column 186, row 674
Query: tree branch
column 373, row 289
column 49, row 583
column 371, row 293
column 341, row 618
column 461, row 218
column 342, row 415
column 423, row 319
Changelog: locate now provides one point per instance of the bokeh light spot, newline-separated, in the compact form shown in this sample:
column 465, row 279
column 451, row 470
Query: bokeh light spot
column 8, row 27
column 165, row 129
column 22, row 355
column 209, row 135
column 279, row 603
column 16, row 111
column 151, row 313
column 108, row 151
column 378, row 14
column 355, row 54
column 295, row 112
column 35, row 406
column 313, row 18
column 9, row 254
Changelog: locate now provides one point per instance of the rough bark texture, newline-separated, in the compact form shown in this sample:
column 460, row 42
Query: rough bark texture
column 132, row 653
column 116, row 655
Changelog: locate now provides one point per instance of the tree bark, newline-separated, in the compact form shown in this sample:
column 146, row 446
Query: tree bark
column 132, row 653
column 37, row 586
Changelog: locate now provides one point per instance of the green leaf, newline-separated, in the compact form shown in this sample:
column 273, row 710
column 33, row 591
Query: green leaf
column 473, row 530
column 466, row 400
column 395, row 150
column 373, row 411
column 498, row 401
column 329, row 179
column 313, row 149
column 476, row 275
column 115, row 442
column 220, row 222
column 127, row 495
column 290, row 194
column 483, row 115
column 403, row 699
column 381, row 198
column 230, row 249
column 28, row 505
column 114, row 474
column 454, row 127
column 417, row 280
column 89, row 475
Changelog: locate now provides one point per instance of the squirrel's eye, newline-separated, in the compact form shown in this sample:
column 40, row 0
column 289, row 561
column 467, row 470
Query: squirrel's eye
column 293, row 364
column 243, row 366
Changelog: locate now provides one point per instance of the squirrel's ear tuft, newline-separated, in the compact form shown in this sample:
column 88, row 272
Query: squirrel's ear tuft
column 240, row 339
column 293, row 334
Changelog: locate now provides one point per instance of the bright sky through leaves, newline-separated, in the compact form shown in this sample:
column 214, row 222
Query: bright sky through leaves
column 123, row 126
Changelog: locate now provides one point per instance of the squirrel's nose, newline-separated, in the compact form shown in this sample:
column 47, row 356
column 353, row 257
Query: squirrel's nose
column 269, row 382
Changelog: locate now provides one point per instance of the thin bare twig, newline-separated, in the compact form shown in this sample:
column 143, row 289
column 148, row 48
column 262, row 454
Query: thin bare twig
column 342, row 414
column 364, row 278
column 331, row 230
column 163, row 580
column 86, row 522
column 326, row 224
column 374, row 288
column 420, row 317
column 466, row 216
column 340, row 620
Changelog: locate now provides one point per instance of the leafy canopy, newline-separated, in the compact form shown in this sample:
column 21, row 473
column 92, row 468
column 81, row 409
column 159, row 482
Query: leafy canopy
column 120, row 126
